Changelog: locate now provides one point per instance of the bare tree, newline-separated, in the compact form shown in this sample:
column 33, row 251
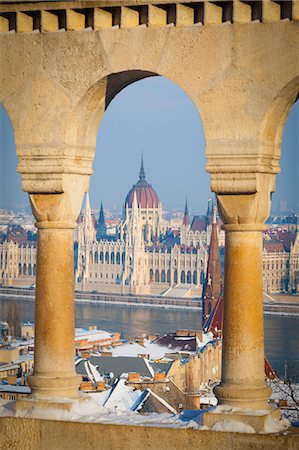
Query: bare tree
column 13, row 320
column 285, row 391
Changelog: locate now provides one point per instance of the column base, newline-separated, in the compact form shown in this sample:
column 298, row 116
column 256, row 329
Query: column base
column 54, row 386
column 224, row 418
column 243, row 397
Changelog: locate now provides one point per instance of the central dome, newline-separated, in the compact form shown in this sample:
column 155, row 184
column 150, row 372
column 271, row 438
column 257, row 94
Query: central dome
column 146, row 196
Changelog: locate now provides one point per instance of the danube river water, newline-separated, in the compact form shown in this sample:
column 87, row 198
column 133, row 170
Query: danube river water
column 281, row 332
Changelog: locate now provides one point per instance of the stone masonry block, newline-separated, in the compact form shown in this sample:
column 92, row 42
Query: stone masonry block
column 156, row 16
column 102, row 19
column 74, row 20
column 129, row 18
column 184, row 15
column 24, row 23
column 49, row 22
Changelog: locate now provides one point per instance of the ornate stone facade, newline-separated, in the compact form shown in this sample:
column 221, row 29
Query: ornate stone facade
column 137, row 259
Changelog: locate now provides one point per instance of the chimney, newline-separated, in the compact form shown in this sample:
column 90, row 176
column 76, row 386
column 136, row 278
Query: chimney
column 100, row 385
column 182, row 333
column 160, row 376
column 133, row 377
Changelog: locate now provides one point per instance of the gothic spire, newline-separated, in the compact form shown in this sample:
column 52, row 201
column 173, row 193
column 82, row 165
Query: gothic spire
column 212, row 288
column 142, row 172
column 101, row 215
column 186, row 220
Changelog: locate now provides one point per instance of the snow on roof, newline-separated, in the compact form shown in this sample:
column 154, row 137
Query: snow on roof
column 15, row 389
column 151, row 349
column 92, row 335
column 122, row 397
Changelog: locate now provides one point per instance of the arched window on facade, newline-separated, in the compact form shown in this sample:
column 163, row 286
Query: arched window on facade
column 163, row 276
column 102, row 257
column 96, row 257
column 123, row 258
column 183, row 277
column 195, row 278
column 117, row 258
column 24, row 269
column 151, row 276
column 34, row 269
column 189, row 277
column 157, row 276
column 112, row 258
column 175, row 276
column 29, row 269
column 107, row 257
column 20, row 269
column 168, row 276
column 91, row 256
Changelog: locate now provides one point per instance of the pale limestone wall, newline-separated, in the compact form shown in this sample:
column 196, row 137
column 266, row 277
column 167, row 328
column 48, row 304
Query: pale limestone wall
column 242, row 77
column 36, row 434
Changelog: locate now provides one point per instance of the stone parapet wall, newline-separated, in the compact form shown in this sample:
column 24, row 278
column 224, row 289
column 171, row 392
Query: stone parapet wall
column 36, row 434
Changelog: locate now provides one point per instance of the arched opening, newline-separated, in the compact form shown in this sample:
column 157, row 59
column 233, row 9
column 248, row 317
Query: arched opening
column 107, row 257
column 188, row 277
column 112, row 258
column 157, row 276
column 183, row 277
column 96, row 257
column 117, row 258
column 175, row 276
column 102, row 257
column 163, row 276
column 168, row 276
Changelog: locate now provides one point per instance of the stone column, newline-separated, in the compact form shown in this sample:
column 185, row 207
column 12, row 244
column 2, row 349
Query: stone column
column 243, row 375
column 54, row 356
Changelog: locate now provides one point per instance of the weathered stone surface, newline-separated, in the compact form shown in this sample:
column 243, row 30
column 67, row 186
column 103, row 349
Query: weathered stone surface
column 37, row 434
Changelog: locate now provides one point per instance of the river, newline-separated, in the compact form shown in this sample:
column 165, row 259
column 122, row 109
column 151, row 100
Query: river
column 281, row 332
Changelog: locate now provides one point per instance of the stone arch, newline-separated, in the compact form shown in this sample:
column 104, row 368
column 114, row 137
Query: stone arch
column 96, row 99
column 276, row 116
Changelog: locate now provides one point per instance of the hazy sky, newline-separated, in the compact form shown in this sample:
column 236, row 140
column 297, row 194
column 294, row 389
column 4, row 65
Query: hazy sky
column 156, row 118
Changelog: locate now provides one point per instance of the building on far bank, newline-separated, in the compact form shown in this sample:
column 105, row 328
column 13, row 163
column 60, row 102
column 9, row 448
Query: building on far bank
column 144, row 256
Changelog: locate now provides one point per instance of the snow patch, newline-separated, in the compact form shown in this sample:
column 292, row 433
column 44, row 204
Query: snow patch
column 233, row 426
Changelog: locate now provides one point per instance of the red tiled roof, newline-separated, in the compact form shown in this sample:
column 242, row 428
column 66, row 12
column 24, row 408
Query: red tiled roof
column 273, row 246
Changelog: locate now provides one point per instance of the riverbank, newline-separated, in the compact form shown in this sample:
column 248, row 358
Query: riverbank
column 272, row 306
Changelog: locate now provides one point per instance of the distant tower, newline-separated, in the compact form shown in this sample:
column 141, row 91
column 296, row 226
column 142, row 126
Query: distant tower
column 186, row 219
column 88, row 225
column 210, row 212
column 101, row 225
column 212, row 288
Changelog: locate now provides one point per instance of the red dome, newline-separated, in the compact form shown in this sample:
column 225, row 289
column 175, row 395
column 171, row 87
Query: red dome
column 146, row 196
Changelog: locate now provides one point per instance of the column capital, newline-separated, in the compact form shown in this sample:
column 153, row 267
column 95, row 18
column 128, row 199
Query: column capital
column 59, row 210
column 246, row 211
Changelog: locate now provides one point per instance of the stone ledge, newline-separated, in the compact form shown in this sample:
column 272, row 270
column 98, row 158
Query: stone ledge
column 37, row 434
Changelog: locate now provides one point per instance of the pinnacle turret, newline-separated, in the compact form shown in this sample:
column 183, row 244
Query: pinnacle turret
column 142, row 172
column 186, row 219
